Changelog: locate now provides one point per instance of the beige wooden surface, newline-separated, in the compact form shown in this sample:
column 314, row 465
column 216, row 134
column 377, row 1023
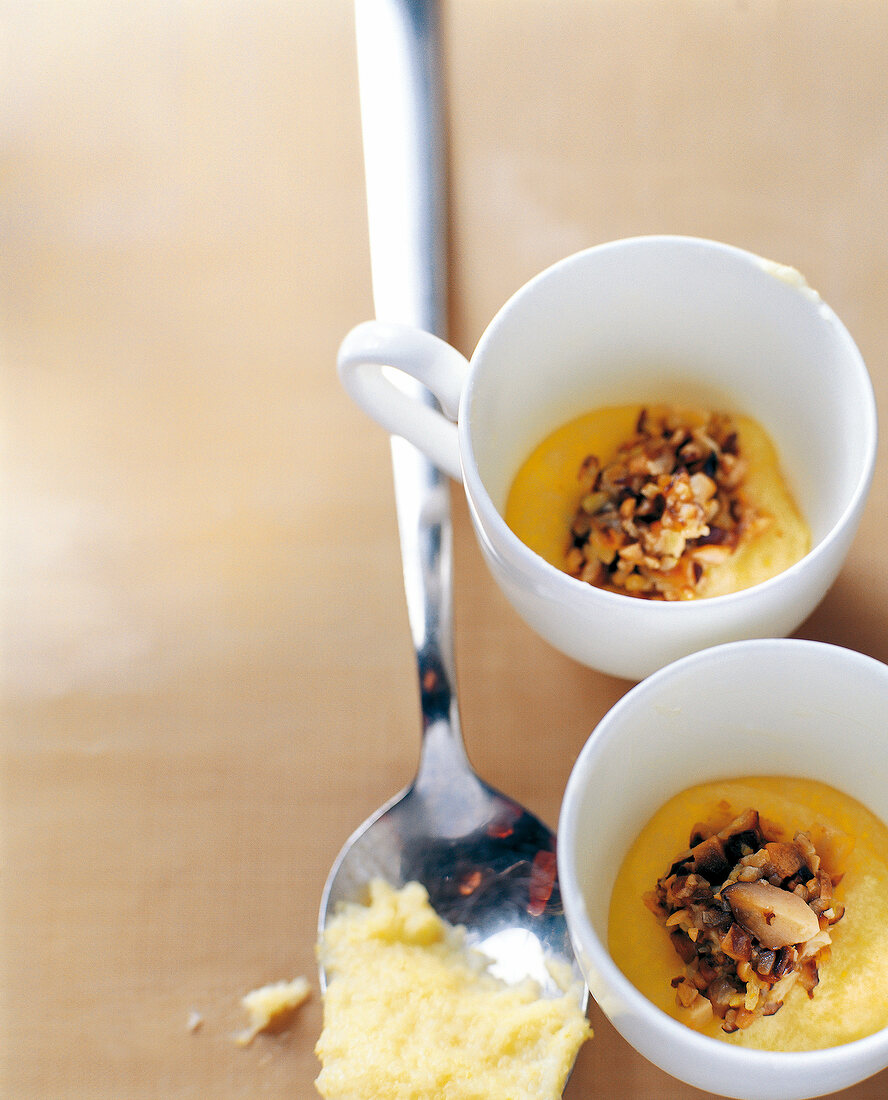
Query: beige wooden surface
column 207, row 678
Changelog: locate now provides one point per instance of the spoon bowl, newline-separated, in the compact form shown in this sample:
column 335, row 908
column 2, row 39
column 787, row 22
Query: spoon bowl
column 487, row 864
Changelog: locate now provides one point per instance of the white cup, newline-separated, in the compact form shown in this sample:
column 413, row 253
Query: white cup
column 764, row 707
column 648, row 319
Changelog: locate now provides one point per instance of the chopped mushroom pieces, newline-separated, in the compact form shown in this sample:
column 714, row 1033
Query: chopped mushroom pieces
column 748, row 914
column 776, row 917
column 667, row 507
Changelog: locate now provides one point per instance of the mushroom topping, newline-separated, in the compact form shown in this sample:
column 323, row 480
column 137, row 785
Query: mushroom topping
column 668, row 507
column 775, row 917
column 710, row 860
column 786, row 859
column 749, row 915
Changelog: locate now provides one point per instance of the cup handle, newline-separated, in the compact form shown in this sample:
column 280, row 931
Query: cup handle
column 374, row 345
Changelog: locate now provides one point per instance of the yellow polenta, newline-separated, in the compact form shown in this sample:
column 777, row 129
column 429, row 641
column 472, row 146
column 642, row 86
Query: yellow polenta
column 411, row 1014
column 545, row 494
column 851, row 1000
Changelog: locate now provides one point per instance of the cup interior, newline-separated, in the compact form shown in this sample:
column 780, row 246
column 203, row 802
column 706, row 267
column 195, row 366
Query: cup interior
column 679, row 320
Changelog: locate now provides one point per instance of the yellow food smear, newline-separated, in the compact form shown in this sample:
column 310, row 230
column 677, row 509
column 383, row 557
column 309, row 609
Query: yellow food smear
column 545, row 495
column 271, row 1005
column 851, row 1000
column 411, row 1014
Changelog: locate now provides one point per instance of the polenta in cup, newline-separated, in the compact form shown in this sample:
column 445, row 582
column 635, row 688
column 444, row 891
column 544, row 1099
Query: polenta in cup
column 734, row 796
column 645, row 324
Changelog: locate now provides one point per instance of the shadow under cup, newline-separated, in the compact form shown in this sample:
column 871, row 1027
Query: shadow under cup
column 677, row 320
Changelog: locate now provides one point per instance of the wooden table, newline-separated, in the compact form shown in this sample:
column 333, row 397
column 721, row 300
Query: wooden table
column 207, row 675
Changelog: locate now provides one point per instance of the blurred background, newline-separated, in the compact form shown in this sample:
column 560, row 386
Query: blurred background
column 207, row 675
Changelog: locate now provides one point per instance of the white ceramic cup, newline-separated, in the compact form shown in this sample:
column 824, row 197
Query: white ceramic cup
column 649, row 319
column 773, row 706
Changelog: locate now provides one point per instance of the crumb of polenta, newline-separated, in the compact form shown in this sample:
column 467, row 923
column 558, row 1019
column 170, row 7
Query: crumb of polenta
column 271, row 1005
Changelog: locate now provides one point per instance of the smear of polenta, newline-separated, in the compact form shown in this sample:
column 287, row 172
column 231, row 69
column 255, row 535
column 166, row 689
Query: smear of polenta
column 410, row 1013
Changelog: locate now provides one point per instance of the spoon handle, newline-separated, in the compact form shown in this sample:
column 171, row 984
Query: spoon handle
column 402, row 121
column 400, row 80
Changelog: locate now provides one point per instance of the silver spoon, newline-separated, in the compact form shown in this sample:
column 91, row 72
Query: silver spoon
column 486, row 861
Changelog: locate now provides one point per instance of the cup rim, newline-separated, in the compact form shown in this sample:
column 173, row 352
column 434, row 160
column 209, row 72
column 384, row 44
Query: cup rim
column 520, row 560
column 583, row 933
